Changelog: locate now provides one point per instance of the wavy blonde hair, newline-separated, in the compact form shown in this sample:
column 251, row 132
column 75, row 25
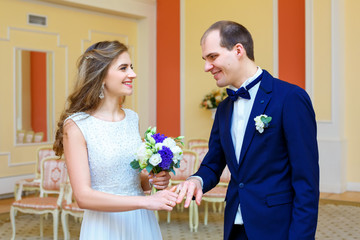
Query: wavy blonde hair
column 92, row 67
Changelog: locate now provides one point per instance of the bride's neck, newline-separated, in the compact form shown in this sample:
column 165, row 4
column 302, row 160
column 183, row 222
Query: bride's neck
column 109, row 112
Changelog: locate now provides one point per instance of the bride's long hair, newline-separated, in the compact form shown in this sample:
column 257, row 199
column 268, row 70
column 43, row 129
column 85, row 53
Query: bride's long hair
column 92, row 69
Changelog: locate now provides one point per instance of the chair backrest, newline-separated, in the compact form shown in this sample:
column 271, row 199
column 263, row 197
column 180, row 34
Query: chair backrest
column 201, row 151
column 38, row 137
column 225, row 176
column 197, row 141
column 20, row 136
column 42, row 153
column 187, row 166
column 53, row 175
column 68, row 192
column 29, row 136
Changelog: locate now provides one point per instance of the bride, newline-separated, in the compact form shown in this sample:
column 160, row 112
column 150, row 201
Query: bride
column 99, row 139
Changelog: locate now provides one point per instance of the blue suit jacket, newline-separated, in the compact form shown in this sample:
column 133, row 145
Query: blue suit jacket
column 276, row 180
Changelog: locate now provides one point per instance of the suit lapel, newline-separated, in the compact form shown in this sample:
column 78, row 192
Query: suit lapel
column 262, row 99
column 227, row 131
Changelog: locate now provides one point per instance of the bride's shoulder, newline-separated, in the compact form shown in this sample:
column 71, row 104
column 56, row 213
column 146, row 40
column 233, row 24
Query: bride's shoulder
column 77, row 116
column 130, row 113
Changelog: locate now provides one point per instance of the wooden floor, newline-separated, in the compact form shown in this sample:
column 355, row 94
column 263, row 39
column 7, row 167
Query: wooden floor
column 352, row 198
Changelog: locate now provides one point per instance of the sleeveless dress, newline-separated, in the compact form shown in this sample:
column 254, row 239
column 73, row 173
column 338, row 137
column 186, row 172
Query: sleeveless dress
column 111, row 147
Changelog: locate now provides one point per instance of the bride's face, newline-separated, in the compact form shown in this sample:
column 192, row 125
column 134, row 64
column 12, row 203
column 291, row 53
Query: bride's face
column 120, row 76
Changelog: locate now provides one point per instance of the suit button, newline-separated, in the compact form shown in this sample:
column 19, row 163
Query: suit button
column 241, row 185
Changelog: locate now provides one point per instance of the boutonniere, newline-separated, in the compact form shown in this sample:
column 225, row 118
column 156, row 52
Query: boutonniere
column 262, row 121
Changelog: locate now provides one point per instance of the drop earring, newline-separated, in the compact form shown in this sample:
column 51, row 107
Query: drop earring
column 101, row 95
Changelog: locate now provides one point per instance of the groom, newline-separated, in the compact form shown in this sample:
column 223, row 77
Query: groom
column 274, row 189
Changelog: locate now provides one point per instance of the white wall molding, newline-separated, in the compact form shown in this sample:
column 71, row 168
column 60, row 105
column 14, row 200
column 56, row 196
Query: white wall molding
column 144, row 13
column 331, row 134
column 182, row 67
column 309, row 46
column 8, row 154
column 353, row 186
column 275, row 39
column 58, row 44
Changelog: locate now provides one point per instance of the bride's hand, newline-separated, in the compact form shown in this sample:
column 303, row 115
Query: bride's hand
column 162, row 200
column 161, row 180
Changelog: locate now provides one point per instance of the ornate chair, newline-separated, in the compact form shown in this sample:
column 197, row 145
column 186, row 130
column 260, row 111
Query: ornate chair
column 217, row 194
column 187, row 167
column 197, row 141
column 33, row 184
column 38, row 137
column 29, row 137
column 53, row 174
column 69, row 207
column 20, row 136
column 201, row 150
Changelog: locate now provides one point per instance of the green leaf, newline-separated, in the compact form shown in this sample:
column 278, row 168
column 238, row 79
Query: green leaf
column 135, row 164
column 266, row 120
column 177, row 165
column 149, row 168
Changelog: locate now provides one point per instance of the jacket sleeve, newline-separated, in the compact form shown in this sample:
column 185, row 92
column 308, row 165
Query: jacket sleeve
column 214, row 162
column 299, row 127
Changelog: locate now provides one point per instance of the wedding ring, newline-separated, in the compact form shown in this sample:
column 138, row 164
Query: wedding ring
column 170, row 203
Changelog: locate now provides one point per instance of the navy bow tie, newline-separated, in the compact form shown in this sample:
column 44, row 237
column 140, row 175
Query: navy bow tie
column 242, row 92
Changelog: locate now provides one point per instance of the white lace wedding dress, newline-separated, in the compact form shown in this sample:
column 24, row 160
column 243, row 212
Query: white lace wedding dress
column 111, row 147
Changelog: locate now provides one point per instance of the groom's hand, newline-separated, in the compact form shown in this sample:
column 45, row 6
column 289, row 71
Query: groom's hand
column 189, row 188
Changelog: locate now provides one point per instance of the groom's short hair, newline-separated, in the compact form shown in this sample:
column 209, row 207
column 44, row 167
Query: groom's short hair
column 232, row 33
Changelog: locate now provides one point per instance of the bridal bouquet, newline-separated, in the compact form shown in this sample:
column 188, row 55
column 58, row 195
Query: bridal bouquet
column 158, row 153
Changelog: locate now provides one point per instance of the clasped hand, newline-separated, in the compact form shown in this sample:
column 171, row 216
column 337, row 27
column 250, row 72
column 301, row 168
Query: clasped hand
column 188, row 189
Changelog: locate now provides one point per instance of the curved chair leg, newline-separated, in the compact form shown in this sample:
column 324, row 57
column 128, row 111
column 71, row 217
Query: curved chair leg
column 195, row 216
column 12, row 219
column 206, row 213
column 168, row 217
column 41, row 226
column 156, row 215
column 220, row 207
column 191, row 216
column 55, row 224
column 64, row 223
column 214, row 207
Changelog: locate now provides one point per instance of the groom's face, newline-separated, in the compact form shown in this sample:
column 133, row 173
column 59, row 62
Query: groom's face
column 219, row 61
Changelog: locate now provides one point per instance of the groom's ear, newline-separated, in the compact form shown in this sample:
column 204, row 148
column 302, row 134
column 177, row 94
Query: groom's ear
column 239, row 50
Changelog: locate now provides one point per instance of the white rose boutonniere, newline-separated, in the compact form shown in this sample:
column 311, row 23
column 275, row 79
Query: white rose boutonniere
column 261, row 122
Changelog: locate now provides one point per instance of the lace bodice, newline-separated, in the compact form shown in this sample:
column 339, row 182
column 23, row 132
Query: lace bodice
column 111, row 147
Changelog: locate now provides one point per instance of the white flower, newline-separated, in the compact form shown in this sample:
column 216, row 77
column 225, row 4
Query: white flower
column 177, row 153
column 155, row 159
column 150, row 138
column 208, row 103
column 153, row 130
column 143, row 154
column 158, row 146
column 262, row 121
column 169, row 142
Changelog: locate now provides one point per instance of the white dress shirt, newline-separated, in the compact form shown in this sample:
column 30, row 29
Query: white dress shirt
column 240, row 118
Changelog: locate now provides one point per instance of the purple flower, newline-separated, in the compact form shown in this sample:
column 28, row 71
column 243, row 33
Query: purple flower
column 166, row 156
column 159, row 138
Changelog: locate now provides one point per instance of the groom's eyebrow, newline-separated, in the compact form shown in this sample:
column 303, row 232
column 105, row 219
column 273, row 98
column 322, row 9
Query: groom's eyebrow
column 208, row 55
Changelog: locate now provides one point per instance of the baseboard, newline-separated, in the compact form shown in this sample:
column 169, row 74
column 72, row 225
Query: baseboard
column 7, row 184
column 353, row 187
